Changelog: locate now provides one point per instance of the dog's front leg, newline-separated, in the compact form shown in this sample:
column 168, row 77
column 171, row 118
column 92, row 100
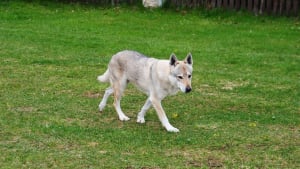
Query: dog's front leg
column 142, row 113
column 162, row 115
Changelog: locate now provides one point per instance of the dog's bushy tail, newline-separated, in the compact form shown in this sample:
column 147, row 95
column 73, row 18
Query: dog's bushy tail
column 104, row 77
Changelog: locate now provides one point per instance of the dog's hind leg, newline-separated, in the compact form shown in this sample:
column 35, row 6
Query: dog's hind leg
column 107, row 93
column 142, row 113
column 118, row 87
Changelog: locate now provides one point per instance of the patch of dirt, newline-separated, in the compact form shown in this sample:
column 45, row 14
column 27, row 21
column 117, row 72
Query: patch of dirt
column 26, row 109
column 232, row 85
column 130, row 167
column 214, row 163
column 196, row 164
column 93, row 144
column 90, row 94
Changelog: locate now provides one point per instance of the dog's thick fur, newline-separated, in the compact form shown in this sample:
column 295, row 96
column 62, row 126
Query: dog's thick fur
column 156, row 78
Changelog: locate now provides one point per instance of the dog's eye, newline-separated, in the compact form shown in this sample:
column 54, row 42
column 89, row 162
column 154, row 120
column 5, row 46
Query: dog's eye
column 180, row 77
column 189, row 76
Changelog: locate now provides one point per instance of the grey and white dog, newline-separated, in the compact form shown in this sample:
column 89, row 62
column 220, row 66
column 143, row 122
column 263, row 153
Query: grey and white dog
column 156, row 78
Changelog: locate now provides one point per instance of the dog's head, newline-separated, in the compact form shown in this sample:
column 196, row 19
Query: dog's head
column 181, row 72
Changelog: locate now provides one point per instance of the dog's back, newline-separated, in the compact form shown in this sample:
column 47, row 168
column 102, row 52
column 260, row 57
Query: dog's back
column 122, row 62
column 130, row 66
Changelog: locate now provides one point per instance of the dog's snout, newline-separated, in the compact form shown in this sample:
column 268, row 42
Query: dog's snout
column 188, row 89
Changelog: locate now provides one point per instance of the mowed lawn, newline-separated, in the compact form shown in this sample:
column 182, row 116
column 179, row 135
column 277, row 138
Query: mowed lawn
column 243, row 111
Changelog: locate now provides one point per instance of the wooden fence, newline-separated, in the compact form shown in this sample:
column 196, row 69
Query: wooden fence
column 270, row 7
column 275, row 7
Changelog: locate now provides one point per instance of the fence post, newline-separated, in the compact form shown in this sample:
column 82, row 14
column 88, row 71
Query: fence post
column 275, row 5
column 288, row 6
column 196, row 3
column 296, row 7
column 250, row 5
column 243, row 4
column 281, row 7
column 231, row 4
column 237, row 5
column 269, row 6
column 255, row 7
column 262, row 6
column 219, row 3
column 225, row 4
column 214, row 3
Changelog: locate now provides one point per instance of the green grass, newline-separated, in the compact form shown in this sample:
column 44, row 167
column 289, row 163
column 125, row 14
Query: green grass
column 243, row 111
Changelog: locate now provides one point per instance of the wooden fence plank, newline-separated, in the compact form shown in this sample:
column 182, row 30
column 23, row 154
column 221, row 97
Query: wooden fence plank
column 195, row 4
column 225, row 4
column 255, row 6
column 250, row 5
column 281, row 7
column 243, row 4
column 231, row 4
column 219, row 3
column 237, row 5
column 269, row 6
column 296, row 7
column 214, row 3
column 288, row 6
column 275, row 6
column 262, row 6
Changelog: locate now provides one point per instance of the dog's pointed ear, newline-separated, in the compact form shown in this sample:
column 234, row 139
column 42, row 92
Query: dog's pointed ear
column 173, row 60
column 189, row 59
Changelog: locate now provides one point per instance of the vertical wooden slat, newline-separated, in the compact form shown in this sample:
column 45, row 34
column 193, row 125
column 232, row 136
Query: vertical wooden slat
column 178, row 3
column 200, row 3
column 183, row 3
column 296, row 7
column 262, row 6
column 278, row 7
column 195, row 4
column 288, row 7
column 250, row 5
column 231, row 4
column 225, row 4
column 214, row 3
column 269, row 6
column 206, row 3
column 174, row 2
column 219, row 3
column 275, row 6
column 243, row 4
column 281, row 7
column 192, row 4
column 237, row 5
column 189, row 4
column 255, row 7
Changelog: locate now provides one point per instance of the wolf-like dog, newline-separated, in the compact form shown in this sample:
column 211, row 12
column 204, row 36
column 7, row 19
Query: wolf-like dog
column 156, row 78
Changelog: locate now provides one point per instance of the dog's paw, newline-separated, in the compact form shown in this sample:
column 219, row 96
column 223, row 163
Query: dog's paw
column 124, row 118
column 172, row 129
column 140, row 120
column 101, row 107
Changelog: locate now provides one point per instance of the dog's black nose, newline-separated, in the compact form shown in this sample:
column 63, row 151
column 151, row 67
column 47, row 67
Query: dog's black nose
column 188, row 89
